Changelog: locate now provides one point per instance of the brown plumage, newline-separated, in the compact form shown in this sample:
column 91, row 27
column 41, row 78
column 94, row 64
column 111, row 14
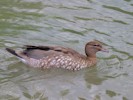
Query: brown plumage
column 59, row 57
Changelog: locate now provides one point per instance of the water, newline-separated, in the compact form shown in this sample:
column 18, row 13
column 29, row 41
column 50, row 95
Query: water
column 69, row 23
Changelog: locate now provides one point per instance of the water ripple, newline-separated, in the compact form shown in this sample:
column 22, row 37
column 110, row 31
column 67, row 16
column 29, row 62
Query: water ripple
column 118, row 9
column 69, row 23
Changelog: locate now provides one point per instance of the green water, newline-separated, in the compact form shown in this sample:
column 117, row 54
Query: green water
column 68, row 23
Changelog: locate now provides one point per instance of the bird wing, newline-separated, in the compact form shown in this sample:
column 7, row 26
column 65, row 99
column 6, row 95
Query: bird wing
column 39, row 52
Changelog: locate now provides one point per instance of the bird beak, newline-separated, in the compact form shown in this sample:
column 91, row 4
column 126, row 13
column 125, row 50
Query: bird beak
column 105, row 50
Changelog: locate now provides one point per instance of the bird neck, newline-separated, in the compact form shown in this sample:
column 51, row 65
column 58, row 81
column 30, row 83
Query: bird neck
column 91, row 55
column 92, row 60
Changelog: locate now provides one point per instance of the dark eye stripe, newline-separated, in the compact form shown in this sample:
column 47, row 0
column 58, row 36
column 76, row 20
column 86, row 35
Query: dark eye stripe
column 96, row 45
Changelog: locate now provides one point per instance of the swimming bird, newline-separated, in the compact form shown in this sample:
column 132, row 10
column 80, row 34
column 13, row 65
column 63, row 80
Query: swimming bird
column 58, row 56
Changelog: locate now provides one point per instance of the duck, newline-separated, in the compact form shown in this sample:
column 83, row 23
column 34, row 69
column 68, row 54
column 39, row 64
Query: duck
column 46, row 57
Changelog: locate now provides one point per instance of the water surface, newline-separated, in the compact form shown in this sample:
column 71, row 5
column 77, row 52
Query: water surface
column 69, row 23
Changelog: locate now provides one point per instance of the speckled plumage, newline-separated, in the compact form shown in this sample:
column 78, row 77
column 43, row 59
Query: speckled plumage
column 59, row 57
column 58, row 61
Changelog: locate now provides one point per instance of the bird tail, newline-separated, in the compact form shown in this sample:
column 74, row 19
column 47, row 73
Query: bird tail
column 13, row 52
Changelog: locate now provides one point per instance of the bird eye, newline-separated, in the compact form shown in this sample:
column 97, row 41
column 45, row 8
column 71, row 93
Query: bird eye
column 96, row 45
